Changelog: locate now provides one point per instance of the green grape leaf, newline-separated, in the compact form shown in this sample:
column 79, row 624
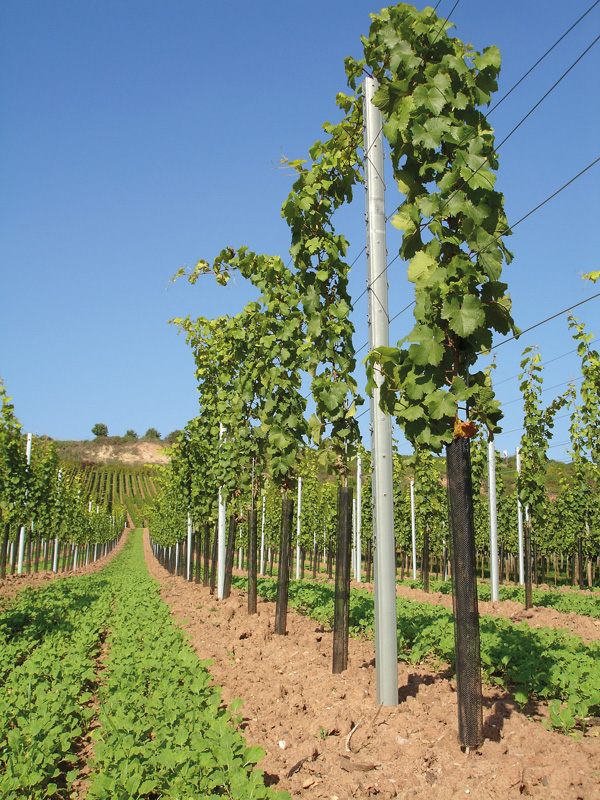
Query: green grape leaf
column 466, row 317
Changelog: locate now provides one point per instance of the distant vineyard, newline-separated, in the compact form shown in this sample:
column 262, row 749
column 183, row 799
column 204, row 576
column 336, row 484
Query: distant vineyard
column 131, row 487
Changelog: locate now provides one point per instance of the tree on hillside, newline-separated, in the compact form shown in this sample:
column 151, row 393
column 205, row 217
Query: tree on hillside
column 173, row 436
column 100, row 429
column 151, row 433
column 131, row 434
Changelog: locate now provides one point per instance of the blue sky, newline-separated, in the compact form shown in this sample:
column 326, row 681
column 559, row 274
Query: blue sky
column 138, row 137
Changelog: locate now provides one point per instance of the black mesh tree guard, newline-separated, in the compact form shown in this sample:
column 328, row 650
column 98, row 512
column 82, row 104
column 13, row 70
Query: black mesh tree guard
column 283, row 575
column 214, row 560
column 464, row 594
column 341, row 618
column 4, row 551
column 206, row 565
column 229, row 555
column 196, row 576
column 252, row 561
column 47, row 553
column 181, row 557
column 527, row 565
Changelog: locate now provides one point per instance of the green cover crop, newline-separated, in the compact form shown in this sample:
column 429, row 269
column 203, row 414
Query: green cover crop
column 48, row 643
column 163, row 731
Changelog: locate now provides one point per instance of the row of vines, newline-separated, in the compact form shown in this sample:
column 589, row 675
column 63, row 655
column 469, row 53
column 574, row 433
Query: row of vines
column 566, row 548
column 50, row 517
column 253, row 368
column 132, row 487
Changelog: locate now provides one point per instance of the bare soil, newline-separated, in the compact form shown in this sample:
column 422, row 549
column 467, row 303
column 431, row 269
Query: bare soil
column 324, row 735
column 135, row 453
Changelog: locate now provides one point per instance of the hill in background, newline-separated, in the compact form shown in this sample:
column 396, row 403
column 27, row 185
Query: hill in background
column 114, row 450
column 119, row 450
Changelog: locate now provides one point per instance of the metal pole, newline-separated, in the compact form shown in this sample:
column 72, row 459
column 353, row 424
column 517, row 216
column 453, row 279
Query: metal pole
column 413, row 525
column 386, row 646
column 520, row 518
column 353, row 556
column 22, row 531
column 358, row 576
column 262, row 538
column 299, row 511
column 493, row 520
column 55, row 554
column 189, row 547
column 527, row 560
column 222, row 546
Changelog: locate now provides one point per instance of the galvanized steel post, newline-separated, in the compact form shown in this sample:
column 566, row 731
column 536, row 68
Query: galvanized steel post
column 493, row 520
column 520, row 522
column 386, row 646
column 222, row 546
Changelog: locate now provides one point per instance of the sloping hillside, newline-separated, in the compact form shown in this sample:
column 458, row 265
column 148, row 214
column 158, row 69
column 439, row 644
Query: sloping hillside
column 114, row 450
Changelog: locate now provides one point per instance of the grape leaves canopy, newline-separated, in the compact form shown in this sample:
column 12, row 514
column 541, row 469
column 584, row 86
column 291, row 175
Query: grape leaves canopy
column 431, row 89
column 452, row 218
column 585, row 436
column 442, row 151
column 36, row 504
column 538, row 424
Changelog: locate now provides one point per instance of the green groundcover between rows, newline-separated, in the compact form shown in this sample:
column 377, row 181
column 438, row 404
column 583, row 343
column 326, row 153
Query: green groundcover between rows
column 104, row 647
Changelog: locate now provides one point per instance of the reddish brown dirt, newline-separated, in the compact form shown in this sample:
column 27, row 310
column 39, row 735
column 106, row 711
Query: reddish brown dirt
column 325, row 737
